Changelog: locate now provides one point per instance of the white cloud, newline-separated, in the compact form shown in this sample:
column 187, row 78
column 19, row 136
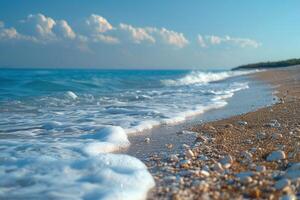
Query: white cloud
column 98, row 24
column 215, row 39
column 201, row 41
column 8, row 33
column 242, row 42
column 153, row 35
column 173, row 38
column 137, row 34
column 11, row 33
column 43, row 25
column 65, row 30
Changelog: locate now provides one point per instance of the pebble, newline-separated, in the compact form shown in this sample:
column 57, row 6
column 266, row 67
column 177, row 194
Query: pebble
column 279, row 185
column 204, row 173
column 217, row 167
column 293, row 172
column 246, row 155
column 226, row 160
column 273, row 124
column 261, row 135
column 185, row 163
column 189, row 154
column 242, row 123
column 276, row 156
column 277, row 136
column 203, row 157
column 174, row 158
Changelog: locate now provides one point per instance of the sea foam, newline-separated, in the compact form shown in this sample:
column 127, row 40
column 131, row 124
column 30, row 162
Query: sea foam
column 199, row 77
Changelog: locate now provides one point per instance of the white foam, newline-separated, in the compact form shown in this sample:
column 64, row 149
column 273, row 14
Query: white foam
column 199, row 77
column 71, row 95
column 106, row 140
column 105, row 176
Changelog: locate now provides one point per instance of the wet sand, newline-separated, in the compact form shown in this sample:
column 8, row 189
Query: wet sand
column 254, row 155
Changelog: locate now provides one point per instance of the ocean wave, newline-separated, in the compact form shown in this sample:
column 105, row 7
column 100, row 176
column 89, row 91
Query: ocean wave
column 199, row 77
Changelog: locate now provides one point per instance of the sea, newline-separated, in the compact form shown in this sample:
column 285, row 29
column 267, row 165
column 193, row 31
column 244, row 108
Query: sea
column 61, row 130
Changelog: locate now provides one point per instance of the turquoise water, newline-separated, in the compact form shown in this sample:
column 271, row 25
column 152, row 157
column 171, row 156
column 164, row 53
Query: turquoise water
column 68, row 123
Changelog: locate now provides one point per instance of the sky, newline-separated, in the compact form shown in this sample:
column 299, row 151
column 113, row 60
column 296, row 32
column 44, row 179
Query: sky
column 140, row 34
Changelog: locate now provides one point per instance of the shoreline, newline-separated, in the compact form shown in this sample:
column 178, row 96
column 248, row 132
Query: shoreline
column 235, row 105
column 229, row 157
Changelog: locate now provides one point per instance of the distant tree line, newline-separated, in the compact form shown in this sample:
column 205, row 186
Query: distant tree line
column 263, row 65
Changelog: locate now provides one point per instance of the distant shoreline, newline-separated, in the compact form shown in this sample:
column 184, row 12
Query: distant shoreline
column 269, row 65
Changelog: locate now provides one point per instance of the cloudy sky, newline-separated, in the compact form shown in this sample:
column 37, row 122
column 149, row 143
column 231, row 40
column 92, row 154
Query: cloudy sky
column 142, row 34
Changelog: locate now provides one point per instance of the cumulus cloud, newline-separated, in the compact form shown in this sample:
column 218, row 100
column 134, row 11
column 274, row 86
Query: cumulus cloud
column 10, row 33
column 173, row 38
column 242, row 42
column 64, row 29
column 153, row 35
column 98, row 24
column 201, row 41
column 43, row 25
column 137, row 34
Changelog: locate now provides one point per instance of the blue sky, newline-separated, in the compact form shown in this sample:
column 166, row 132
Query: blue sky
column 147, row 34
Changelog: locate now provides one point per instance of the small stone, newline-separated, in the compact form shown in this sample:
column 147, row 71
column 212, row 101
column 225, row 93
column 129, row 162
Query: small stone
column 293, row 172
column 206, row 168
column 242, row 123
column 189, row 154
column 273, row 124
column 174, row 158
column 147, row 140
column 169, row 146
column 226, row 160
column 247, row 155
column 204, row 173
column 247, row 179
column 276, row 156
column 203, row 157
column 282, row 183
column 277, row 136
column 185, row 164
column 217, row 167
column 261, row 135
column 227, row 165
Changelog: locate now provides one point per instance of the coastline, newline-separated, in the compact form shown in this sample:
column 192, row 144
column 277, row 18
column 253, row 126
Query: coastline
column 164, row 134
column 229, row 157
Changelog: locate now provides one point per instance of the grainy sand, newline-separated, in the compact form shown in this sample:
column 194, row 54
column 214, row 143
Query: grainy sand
column 229, row 157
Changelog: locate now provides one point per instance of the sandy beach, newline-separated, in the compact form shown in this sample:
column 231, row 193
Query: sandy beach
column 254, row 155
